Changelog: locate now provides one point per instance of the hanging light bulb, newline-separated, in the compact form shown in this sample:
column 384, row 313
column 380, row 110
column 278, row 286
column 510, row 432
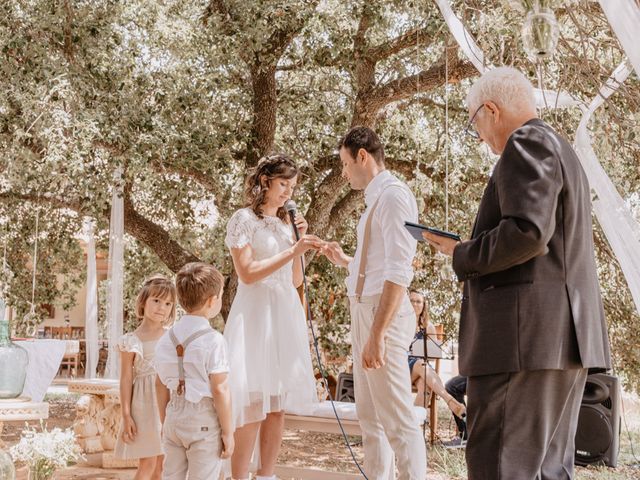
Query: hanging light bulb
column 540, row 32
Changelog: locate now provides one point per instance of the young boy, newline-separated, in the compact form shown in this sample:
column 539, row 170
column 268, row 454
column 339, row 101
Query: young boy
column 191, row 385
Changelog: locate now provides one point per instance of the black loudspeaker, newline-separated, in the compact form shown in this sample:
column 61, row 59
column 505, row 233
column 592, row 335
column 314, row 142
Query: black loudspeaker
column 344, row 390
column 598, row 432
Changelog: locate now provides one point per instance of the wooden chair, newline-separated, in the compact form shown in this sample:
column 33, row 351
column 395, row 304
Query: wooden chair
column 433, row 407
column 432, row 404
column 71, row 358
column 70, row 361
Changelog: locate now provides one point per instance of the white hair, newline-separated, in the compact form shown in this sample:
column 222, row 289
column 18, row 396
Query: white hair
column 507, row 87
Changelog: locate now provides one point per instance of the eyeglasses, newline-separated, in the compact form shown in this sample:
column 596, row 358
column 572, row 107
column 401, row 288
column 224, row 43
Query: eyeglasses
column 471, row 130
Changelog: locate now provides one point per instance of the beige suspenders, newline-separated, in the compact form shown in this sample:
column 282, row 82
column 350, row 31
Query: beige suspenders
column 365, row 246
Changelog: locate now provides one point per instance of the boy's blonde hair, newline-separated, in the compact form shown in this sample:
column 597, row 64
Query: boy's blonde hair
column 157, row 286
column 196, row 282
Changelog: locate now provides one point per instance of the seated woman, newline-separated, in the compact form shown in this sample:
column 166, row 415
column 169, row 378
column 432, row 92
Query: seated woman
column 426, row 379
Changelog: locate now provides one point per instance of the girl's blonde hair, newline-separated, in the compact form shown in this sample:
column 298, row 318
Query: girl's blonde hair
column 157, row 286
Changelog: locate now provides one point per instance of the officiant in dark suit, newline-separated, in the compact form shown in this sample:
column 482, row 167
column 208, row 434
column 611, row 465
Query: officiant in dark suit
column 532, row 321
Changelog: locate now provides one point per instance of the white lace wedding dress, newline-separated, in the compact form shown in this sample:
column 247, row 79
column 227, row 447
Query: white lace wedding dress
column 270, row 361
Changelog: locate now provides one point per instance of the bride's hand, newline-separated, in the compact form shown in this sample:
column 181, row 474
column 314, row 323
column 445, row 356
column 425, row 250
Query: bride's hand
column 301, row 224
column 307, row 242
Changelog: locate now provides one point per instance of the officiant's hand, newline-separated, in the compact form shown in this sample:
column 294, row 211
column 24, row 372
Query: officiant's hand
column 373, row 353
column 442, row 244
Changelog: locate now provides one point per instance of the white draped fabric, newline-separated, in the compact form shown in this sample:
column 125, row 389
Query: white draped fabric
column 91, row 308
column 44, row 360
column 115, row 278
column 617, row 221
column 624, row 18
column 473, row 53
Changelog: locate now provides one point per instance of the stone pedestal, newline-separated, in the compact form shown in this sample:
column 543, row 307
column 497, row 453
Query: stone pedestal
column 20, row 409
column 98, row 421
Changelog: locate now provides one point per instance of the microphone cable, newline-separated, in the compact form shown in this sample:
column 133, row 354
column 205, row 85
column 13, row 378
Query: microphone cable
column 291, row 209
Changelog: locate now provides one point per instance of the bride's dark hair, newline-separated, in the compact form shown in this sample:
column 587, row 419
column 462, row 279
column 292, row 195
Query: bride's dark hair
column 259, row 181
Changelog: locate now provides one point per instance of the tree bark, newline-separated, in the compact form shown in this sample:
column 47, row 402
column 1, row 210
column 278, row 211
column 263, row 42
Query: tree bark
column 265, row 107
column 141, row 228
column 156, row 238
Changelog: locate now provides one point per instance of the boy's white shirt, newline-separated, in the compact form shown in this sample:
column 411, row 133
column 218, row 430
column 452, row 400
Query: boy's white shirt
column 203, row 356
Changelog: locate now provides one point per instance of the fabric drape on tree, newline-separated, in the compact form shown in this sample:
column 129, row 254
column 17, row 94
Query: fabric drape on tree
column 475, row 55
column 115, row 278
column 624, row 18
column 617, row 221
column 91, row 308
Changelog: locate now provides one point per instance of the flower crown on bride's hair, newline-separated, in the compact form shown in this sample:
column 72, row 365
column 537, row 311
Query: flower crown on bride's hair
column 264, row 164
column 278, row 165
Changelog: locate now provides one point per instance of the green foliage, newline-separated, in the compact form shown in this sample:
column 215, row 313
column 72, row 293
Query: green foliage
column 165, row 91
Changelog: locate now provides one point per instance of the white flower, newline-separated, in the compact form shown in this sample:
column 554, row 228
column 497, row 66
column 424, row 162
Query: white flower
column 55, row 448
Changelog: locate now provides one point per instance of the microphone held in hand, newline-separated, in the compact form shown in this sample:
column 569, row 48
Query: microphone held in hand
column 291, row 208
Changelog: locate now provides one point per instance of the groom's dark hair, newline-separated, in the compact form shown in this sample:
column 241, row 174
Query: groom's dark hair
column 363, row 137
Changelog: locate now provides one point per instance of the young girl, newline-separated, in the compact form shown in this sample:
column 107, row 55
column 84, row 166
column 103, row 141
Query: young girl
column 139, row 435
column 270, row 362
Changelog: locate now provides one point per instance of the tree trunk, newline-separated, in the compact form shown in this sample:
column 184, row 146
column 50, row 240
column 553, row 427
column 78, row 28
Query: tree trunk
column 265, row 106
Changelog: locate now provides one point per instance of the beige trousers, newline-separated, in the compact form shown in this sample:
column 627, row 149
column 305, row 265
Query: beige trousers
column 191, row 440
column 383, row 397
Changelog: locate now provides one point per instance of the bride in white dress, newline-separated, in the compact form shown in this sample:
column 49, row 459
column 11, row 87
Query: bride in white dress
column 270, row 361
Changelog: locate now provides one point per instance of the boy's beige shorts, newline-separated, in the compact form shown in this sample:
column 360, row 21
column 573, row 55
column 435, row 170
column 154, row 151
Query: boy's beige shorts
column 191, row 440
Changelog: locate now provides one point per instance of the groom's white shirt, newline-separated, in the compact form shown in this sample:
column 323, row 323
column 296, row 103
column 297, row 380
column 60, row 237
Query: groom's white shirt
column 391, row 246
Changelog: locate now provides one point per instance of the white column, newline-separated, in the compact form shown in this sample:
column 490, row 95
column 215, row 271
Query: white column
column 115, row 277
column 91, row 308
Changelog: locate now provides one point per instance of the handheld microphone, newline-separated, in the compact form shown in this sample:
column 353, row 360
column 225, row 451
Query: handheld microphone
column 291, row 208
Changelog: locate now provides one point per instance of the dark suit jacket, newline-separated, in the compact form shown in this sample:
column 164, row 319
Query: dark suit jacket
column 531, row 296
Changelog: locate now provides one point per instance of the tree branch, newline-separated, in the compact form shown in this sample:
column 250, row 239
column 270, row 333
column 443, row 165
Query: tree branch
column 425, row 80
column 142, row 229
column 33, row 197
column 265, row 106
column 406, row 168
column 343, row 209
column 155, row 237
column 68, row 34
column 205, row 180
column 219, row 7
column 365, row 66
column 401, row 42
column 263, row 81
column 324, row 199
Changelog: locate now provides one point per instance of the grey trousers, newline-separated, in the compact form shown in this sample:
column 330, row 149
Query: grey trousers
column 522, row 425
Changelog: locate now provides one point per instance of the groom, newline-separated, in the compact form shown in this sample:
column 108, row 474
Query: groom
column 382, row 319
